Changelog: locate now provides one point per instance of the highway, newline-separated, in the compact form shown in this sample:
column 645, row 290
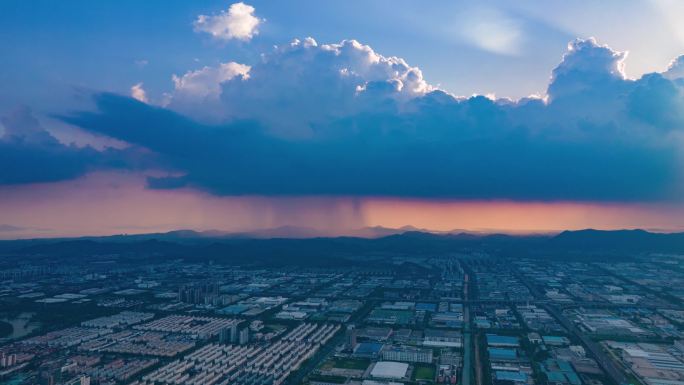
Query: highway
column 601, row 357
column 467, row 338
column 605, row 362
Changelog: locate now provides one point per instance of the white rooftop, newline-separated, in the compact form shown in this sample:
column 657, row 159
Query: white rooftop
column 388, row 369
column 371, row 382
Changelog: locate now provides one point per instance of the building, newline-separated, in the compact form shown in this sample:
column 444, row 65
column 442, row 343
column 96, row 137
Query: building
column 534, row 338
column 351, row 337
column 7, row 360
column 507, row 377
column 502, row 341
column 560, row 372
column 442, row 338
column 556, row 340
column 82, row 380
column 234, row 334
column 244, row 336
column 652, row 363
column 407, row 354
column 198, row 293
column 368, row 349
column 389, row 370
column 225, row 335
column 505, row 354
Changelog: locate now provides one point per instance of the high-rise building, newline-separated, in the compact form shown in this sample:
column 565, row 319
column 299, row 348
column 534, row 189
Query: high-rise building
column 351, row 337
column 198, row 293
column 244, row 336
column 225, row 335
column 234, row 337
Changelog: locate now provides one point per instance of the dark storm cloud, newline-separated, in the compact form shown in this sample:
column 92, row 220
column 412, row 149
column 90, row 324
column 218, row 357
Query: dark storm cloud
column 30, row 154
column 343, row 120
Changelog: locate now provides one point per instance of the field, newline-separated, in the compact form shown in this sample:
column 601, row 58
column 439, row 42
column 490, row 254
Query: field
column 424, row 372
column 347, row 363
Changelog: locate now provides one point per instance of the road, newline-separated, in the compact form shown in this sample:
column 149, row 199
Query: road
column 308, row 367
column 478, row 362
column 297, row 377
column 467, row 337
column 605, row 362
column 601, row 357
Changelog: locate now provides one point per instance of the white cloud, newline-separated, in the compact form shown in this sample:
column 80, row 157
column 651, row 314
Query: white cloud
column 676, row 68
column 206, row 82
column 299, row 88
column 138, row 93
column 492, row 31
column 197, row 93
column 238, row 23
column 590, row 80
column 299, row 84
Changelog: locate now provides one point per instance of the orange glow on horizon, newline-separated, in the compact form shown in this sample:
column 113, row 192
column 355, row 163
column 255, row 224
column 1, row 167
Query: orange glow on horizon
column 519, row 217
column 111, row 203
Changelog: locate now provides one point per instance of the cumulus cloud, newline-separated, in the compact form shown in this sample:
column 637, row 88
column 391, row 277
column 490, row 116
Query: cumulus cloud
column 196, row 93
column 676, row 68
column 374, row 126
column 138, row 93
column 587, row 67
column 238, row 23
column 300, row 85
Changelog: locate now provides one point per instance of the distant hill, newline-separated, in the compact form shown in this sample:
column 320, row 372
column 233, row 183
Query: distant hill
column 295, row 245
column 290, row 232
column 621, row 240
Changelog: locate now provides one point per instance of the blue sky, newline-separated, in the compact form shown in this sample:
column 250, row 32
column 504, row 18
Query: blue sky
column 571, row 105
column 51, row 47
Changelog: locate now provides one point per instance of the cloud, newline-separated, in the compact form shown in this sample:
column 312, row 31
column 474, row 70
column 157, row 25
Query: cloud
column 30, row 154
column 343, row 120
column 238, row 23
column 300, row 84
column 587, row 67
column 4, row 228
column 138, row 93
column 197, row 93
column 676, row 69
column 491, row 30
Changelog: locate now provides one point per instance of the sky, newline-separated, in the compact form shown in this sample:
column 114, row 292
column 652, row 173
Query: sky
column 532, row 116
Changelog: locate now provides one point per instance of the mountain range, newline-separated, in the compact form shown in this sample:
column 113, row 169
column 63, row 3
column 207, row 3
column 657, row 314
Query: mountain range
column 294, row 245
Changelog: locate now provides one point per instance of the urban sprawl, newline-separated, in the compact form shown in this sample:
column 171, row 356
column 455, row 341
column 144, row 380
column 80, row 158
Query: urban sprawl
column 457, row 319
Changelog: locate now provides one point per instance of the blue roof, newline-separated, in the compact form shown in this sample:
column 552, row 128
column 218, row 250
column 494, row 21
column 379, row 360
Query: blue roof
column 368, row 348
column 554, row 338
column 510, row 376
column 233, row 309
column 426, row 306
column 573, row 378
column 493, row 339
column 564, row 366
column 506, row 354
column 564, row 373
column 555, row 376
